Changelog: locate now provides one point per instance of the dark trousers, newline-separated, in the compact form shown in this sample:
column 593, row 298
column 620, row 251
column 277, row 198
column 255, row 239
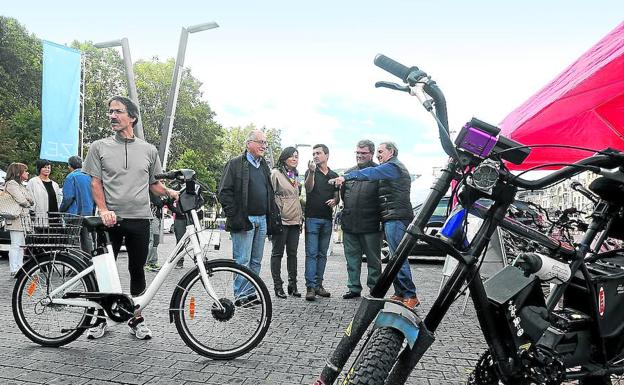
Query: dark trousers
column 137, row 237
column 289, row 238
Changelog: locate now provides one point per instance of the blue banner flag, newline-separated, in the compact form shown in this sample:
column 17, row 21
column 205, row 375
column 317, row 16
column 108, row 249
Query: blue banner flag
column 60, row 102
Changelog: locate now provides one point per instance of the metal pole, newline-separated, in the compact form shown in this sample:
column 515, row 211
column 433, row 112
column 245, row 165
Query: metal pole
column 172, row 99
column 125, row 49
column 165, row 138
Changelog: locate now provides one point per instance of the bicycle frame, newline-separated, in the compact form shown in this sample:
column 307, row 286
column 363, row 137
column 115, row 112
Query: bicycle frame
column 192, row 233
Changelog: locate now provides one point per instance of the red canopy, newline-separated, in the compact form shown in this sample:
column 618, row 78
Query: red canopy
column 583, row 106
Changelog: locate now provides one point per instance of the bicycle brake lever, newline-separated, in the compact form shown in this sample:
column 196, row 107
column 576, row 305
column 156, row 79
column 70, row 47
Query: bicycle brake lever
column 392, row 86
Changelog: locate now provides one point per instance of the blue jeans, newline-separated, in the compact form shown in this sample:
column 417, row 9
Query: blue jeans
column 317, row 235
column 403, row 284
column 247, row 247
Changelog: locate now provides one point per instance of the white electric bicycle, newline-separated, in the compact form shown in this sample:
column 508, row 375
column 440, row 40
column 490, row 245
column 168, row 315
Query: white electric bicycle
column 221, row 310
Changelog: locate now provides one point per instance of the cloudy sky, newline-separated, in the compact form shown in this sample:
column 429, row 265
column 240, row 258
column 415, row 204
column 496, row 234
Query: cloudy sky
column 307, row 67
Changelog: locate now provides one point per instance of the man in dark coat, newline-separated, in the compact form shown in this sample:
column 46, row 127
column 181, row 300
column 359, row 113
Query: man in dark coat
column 361, row 223
column 247, row 198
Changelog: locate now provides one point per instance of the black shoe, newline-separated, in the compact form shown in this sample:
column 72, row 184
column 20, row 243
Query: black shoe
column 321, row 292
column 248, row 301
column 279, row 292
column 351, row 294
column 292, row 290
column 310, row 294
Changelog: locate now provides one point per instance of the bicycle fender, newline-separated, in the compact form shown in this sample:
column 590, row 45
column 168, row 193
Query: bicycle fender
column 179, row 291
column 400, row 318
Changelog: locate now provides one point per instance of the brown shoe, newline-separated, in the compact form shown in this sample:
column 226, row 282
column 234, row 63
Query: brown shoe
column 322, row 292
column 411, row 302
column 310, row 294
column 396, row 298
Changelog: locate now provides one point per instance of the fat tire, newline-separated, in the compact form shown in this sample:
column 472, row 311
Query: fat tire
column 377, row 358
column 179, row 316
column 29, row 270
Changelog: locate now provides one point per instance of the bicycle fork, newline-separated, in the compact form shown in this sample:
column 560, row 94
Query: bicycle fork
column 199, row 261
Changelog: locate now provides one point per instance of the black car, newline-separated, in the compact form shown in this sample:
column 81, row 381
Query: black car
column 422, row 251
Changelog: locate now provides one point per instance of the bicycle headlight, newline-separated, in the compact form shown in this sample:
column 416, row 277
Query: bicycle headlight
column 484, row 177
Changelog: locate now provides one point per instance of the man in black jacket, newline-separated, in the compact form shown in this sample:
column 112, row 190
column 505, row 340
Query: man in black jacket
column 361, row 223
column 247, row 198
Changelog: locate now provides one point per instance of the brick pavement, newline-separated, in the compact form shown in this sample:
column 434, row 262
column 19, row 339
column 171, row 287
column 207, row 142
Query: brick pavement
column 301, row 336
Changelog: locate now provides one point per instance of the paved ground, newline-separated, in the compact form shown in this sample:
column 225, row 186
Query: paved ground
column 301, row 336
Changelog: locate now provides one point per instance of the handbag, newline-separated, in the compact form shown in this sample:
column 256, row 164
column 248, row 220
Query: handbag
column 9, row 208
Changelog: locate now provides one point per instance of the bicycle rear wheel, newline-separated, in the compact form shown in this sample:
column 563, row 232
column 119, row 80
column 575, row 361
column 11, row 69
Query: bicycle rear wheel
column 227, row 333
column 44, row 323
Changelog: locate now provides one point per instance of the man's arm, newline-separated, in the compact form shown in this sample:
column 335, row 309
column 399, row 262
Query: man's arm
column 382, row 171
column 160, row 189
column 225, row 192
column 68, row 194
column 309, row 177
column 97, row 189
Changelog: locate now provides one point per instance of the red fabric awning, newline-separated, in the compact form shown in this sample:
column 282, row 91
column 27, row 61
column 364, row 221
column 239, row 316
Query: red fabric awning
column 583, row 106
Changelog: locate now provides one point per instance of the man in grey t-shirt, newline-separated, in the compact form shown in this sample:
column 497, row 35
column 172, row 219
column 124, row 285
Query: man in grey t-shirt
column 123, row 169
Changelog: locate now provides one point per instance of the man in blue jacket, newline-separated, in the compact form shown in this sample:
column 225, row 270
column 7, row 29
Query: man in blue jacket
column 77, row 198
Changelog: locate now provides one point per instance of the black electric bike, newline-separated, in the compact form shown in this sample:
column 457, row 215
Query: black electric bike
column 530, row 339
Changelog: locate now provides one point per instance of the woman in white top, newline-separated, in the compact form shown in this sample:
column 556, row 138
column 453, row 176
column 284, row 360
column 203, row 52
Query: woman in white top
column 17, row 174
column 44, row 190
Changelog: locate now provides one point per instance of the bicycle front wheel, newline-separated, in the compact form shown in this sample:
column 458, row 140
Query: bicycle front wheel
column 230, row 328
column 45, row 323
column 377, row 358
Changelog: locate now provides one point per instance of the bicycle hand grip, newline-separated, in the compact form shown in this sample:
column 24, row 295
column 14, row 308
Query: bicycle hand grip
column 395, row 68
column 167, row 175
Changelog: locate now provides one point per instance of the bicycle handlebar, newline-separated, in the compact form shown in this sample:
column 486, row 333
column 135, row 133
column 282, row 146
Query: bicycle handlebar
column 394, row 67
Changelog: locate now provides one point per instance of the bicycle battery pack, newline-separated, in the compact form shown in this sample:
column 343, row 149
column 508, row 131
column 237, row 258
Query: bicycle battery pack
column 106, row 272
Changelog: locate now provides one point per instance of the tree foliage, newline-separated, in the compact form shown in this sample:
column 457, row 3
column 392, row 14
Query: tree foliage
column 234, row 142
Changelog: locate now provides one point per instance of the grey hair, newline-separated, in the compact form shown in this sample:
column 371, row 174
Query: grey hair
column 253, row 135
column 367, row 143
column 391, row 146
column 75, row 162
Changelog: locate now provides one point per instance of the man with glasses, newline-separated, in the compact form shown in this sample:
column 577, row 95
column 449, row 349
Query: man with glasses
column 361, row 223
column 123, row 169
column 396, row 210
column 247, row 197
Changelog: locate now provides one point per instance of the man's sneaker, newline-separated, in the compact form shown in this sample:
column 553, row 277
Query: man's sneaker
column 396, row 298
column 152, row 267
column 139, row 329
column 322, row 292
column 97, row 331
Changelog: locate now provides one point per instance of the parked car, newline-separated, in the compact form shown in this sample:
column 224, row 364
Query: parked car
column 5, row 239
column 422, row 251
column 167, row 223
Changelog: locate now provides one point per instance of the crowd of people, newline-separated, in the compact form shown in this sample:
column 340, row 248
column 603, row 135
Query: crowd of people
column 118, row 179
column 258, row 202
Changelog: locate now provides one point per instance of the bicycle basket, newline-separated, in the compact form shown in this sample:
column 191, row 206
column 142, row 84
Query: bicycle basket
column 52, row 230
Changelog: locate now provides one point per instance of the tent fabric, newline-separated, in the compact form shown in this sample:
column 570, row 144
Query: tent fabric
column 583, row 106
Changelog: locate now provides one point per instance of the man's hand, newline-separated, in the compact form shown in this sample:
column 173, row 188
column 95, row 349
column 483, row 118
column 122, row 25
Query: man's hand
column 175, row 195
column 337, row 181
column 108, row 217
column 311, row 166
column 331, row 202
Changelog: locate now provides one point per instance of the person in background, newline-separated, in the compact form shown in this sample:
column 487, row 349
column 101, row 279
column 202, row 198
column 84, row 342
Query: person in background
column 77, row 198
column 156, row 205
column 247, row 197
column 45, row 191
column 284, row 178
column 321, row 198
column 361, row 223
column 16, row 175
column 396, row 210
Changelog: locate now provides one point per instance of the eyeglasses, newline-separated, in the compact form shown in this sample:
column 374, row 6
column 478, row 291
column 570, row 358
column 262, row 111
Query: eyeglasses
column 261, row 142
column 362, row 152
column 116, row 111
